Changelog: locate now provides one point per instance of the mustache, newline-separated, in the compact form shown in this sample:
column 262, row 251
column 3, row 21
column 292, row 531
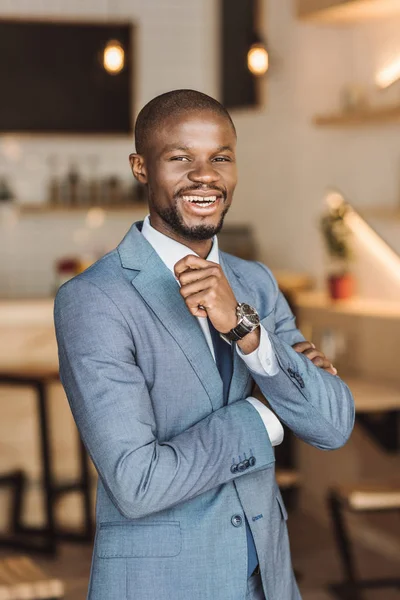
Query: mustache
column 204, row 188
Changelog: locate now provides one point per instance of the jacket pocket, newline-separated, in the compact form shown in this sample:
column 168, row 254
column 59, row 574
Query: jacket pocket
column 150, row 540
column 281, row 504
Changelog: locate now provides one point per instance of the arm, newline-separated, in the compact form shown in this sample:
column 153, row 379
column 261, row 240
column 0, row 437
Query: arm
column 316, row 405
column 113, row 410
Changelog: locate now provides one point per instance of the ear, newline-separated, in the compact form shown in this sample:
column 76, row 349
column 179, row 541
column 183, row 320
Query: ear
column 138, row 167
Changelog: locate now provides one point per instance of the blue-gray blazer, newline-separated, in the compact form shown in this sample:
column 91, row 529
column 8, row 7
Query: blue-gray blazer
column 147, row 399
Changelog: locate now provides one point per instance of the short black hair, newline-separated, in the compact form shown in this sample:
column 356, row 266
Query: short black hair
column 175, row 102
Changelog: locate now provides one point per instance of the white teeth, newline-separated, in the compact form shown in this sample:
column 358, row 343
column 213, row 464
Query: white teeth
column 199, row 200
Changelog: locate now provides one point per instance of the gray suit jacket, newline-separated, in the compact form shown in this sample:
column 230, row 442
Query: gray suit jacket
column 147, row 398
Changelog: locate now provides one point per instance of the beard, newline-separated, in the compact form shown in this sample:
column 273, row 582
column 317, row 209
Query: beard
column 198, row 233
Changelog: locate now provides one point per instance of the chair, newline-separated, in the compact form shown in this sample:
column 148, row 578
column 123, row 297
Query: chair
column 43, row 539
column 358, row 499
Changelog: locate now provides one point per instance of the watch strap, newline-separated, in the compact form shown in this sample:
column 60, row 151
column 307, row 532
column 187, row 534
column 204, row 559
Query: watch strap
column 237, row 333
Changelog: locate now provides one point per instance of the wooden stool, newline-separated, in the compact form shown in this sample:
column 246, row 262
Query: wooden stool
column 43, row 539
column 358, row 499
column 20, row 577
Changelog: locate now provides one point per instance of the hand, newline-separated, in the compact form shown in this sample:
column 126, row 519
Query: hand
column 207, row 292
column 317, row 358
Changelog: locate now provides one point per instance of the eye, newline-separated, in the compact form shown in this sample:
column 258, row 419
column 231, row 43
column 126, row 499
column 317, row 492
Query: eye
column 179, row 158
column 222, row 159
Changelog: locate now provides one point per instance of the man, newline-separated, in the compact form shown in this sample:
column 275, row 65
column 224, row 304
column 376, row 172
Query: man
column 161, row 343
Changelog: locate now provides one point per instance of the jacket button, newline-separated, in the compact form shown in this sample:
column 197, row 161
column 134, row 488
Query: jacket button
column 234, row 469
column 291, row 372
column 241, row 467
column 252, row 461
column 237, row 521
column 246, row 463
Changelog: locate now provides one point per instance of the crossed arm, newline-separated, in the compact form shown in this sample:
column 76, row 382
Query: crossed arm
column 113, row 410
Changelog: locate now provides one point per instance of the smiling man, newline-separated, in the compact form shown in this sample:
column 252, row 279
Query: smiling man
column 161, row 344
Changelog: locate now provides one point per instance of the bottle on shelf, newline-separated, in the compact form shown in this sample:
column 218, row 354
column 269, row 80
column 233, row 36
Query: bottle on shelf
column 6, row 194
column 93, row 183
column 54, row 190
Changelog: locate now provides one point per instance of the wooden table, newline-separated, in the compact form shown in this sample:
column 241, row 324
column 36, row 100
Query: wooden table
column 28, row 359
column 377, row 409
column 45, row 537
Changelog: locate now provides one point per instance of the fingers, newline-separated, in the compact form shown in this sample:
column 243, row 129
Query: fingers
column 317, row 358
column 302, row 346
column 191, row 262
column 200, row 285
column 314, row 353
column 193, row 275
column 198, row 311
column 198, row 303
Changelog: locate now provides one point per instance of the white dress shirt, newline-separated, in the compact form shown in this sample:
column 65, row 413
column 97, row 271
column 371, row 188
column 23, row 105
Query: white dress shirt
column 262, row 361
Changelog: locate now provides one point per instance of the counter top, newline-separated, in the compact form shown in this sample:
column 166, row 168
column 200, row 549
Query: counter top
column 26, row 312
column 27, row 337
column 354, row 306
column 39, row 311
column 27, row 342
column 373, row 396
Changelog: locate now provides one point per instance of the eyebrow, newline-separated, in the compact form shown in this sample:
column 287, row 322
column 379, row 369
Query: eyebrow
column 171, row 147
column 225, row 148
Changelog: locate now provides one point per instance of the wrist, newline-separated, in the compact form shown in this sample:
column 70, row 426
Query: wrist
column 250, row 342
column 247, row 322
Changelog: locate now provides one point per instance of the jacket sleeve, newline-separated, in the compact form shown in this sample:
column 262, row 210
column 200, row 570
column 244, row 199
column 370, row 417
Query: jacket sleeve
column 317, row 406
column 112, row 408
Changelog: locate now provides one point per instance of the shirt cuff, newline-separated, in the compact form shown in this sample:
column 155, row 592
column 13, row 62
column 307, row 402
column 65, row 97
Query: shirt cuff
column 263, row 360
column 271, row 421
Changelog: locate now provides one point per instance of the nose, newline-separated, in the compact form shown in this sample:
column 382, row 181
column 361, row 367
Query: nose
column 203, row 173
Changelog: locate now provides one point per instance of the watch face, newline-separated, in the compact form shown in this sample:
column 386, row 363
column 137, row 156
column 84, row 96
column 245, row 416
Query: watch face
column 249, row 314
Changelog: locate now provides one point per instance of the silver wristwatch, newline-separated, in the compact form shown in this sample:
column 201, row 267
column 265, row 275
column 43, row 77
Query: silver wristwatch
column 248, row 321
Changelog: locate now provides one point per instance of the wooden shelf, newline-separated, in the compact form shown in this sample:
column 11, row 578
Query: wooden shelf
column 368, row 116
column 346, row 11
column 42, row 209
column 385, row 213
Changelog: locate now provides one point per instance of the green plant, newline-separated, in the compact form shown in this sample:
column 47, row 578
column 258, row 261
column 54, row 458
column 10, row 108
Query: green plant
column 337, row 234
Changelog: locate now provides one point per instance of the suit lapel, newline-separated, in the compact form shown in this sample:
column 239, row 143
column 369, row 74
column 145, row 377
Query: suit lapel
column 159, row 290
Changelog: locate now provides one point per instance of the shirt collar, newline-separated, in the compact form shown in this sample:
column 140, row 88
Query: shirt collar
column 170, row 251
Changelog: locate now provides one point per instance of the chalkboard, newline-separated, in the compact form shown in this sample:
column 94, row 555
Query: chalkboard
column 52, row 79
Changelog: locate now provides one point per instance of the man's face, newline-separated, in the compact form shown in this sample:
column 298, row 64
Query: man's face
column 190, row 171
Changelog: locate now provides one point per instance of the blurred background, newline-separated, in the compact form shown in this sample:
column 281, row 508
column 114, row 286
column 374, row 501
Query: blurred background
column 313, row 87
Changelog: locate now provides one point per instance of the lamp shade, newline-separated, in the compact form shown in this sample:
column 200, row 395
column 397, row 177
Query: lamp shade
column 113, row 57
column 258, row 59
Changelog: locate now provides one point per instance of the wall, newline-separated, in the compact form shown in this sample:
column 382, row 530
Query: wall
column 285, row 163
column 173, row 51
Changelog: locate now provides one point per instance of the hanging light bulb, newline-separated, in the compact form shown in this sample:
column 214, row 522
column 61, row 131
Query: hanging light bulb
column 113, row 57
column 258, row 59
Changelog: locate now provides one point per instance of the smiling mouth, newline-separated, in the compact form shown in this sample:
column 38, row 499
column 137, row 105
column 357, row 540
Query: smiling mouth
column 201, row 201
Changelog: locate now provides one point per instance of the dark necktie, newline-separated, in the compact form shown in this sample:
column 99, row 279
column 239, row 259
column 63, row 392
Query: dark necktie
column 223, row 358
column 224, row 361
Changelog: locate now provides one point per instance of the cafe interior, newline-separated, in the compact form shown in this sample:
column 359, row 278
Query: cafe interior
column 313, row 87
